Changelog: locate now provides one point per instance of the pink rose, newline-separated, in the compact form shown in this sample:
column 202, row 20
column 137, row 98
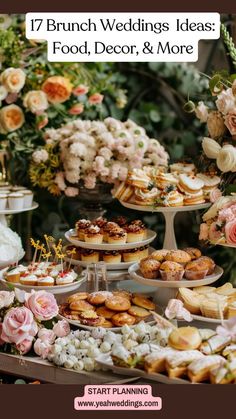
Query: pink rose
column 226, row 214
column 61, row 329
column 18, row 325
column 71, row 192
column 225, row 101
column 80, row 90
column 95, row 99
column 1, row 340
column 203, row 235
column 25, row 346
column 215, row 194
column 42, row 349
column 230, row 122
column 230, row 232
column 42, row 304
column 46, row 335
column 76, row 109
column 214, row 232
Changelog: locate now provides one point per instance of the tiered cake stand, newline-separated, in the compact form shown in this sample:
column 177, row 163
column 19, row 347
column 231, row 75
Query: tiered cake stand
column 4, row 213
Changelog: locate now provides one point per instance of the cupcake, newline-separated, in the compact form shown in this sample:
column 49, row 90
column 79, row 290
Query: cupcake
column 28, row 198
column 171, row 271
column 111, row 257
column 117, row 236
column 29, row 279
column 179, row 256
column 93, row 234
column 149, row 268
column 143, row 252
column 46, row 281
column 81, row 226
column 131, row 255
column 107, row 228
column 120, row 220
column 3, row 201
column 13, row 275
column 196, row 270
column 135, row 233
column 100, row 222
column 66, row 277
column 16, row 201
column 90, row 256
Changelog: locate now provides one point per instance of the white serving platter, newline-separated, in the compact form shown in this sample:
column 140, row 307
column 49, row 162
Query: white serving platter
column 151, row 208
column 10, row 211
column 71, row 237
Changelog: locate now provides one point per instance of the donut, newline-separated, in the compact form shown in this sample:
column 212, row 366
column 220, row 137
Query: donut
column 138, row 312
column 77, row 296
column 120, row 319
column 117, row 303
column 80, row 305
column 105, row 312
column 143, row 302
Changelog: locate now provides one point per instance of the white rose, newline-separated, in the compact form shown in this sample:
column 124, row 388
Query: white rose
column 226, row 101
column 3, row 93
column 13, row 79
column 211, row 147
column 226, row 159
column 5, row 21
column 36, row 101
column 201, row 111
column 6, row 298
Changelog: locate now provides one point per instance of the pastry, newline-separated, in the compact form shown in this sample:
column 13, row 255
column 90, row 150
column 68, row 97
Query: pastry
column 137, row 311
column 215, row 344
column 117, row 303
column 179, row 256
column 205, row 289
column 149, row 268
column 224, row 374
column 193, row 252
column 110, row 225
column 132, row 255
column 226, row 289
column 124, row 192
column 213, row 307
column 155, row 361
column 143, row 252
column 77, row 296
column 123, row 293
column 120, row 319
column 89, row 255
column 90, row 318
column 160, row 255
column 99, row 297
column 230, row 352
column 106, row 323
column 171, row 271
column 66, row 277
column 177, row 168
column 46, row 281
column 118, row 236
column 111, row 256
column 80, row 305
column 105, row 312
column 145, row 196
column 210, row 182
column 196, row 269
column 171, row 198
column 100, row 222
column 190, row 184
column 209, row 262
column 120, row 220
column 231, row 312
column 143, row 302
column 163, row 180
column 185, row 338
column 199, row 370
column 29, row 279
column 81, row 226
column 177, row 364
column 206, row 333
column 191, row 299
column 139, row 179
column 135, row 233
column 93, row 234
column 194, row 199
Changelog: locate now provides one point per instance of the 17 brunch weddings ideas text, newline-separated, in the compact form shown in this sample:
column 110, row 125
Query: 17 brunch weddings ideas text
column 139, row 37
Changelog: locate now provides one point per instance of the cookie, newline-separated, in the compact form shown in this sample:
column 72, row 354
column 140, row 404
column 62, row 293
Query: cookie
column 120, row 319
column 105, row 312
column 117, row 303
column 80, row 305
column 143, row 302
column 138, row 312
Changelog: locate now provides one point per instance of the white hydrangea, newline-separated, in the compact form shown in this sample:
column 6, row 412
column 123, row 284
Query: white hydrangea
column 40, row 156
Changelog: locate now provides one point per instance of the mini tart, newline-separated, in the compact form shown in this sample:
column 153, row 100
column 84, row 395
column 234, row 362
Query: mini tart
column 117, row 237
column 89, row 256
column 111, row 257
column 100, row 222
column 179, row 256
column 124, row 192
column 105, row 312
column 209, row 262
column 29, row 279
column 109, row 227
column 145, row 196
column 99, row 297
column 137, row 311
column 171, row 271
column 78, row 296
column 81, row 226
column 190, row 184
column 135, row 233
column 143, row 302
column 193, row 252
column 47, row 281
column 164, row 180
column 80, row 305
column 185, row 338
column 117, row 303
column 120, row 221
column 149, row 268
column 120, row 319
column 160, row 255
column 13, row 276
column 132, row 255
column 93, row 234
column 66, row 277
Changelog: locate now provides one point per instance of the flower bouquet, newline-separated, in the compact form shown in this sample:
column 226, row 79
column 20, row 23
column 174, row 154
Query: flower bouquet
column 87, row 152
column 219, row 225
column 23, row 317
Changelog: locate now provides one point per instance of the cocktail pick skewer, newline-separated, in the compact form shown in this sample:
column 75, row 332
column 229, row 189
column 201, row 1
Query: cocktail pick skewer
column 71, row 253
column 42, row 250
column 35, row 245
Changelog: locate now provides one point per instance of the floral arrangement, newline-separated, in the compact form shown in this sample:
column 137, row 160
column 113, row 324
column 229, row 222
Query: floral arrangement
column 88, row 152
column 219, row 226
column 22, row 318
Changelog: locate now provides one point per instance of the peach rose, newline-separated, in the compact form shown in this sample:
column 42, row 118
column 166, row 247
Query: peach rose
column 203, row 235
column 76, row 109
column 230, row 232
column 36, row 101
column 95, row 99
column 24, row 346
column 61, row 329
column 215, row 194
column 46, row 335
column 201, row 111
column 230, row 122
column 42, row 304
column 226, row 101
column 11, row 118
column 13, row 79
column 18, row 325
column 42, row 349
column 57, row 88
column 214, row 233
column 80, row 90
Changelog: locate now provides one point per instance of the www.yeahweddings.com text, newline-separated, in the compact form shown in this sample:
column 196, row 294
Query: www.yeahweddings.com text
column 121, row 37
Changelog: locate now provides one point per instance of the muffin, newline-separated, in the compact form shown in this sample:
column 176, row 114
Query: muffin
column 171, row 271
column 193, row 252
column 89, row 256
column 111, row 256
column 210, row 264
column 93, row 234
column 135, row 233
column 149, row 268
column 160, row 254
column 196, row 269
column 81, row 226
column 178, row 256
column 131, row 255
